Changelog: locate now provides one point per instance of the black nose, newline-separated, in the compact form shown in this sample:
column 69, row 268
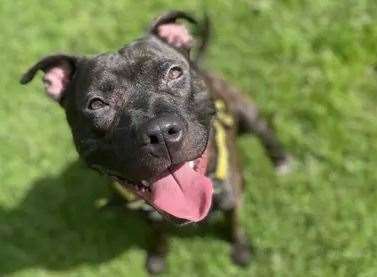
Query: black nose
column 163, row 134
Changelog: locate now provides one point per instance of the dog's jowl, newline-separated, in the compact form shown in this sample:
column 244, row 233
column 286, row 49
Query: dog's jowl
column 163, row 129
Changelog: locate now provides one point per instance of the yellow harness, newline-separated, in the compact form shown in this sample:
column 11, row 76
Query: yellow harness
column 222, row 121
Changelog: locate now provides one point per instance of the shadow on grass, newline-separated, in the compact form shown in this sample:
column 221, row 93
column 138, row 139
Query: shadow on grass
column 57, row 225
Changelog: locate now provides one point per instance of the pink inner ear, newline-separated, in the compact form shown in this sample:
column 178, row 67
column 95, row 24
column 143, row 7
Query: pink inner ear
column 56, row 80
column 176, row 35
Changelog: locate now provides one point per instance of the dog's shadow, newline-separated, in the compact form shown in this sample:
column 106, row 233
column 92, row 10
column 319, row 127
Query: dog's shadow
column 57, row 225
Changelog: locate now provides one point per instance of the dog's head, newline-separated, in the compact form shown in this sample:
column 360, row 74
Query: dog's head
column 141, row 115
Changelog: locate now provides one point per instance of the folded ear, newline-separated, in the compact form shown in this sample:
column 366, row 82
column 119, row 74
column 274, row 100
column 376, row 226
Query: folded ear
column 58, row 69
column 175, row 34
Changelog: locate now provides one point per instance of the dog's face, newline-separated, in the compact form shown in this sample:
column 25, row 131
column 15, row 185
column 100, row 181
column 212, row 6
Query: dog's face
column 142, row 115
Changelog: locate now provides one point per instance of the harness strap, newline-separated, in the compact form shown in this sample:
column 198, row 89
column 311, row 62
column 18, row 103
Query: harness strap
column 222, row 120
column 133, row 202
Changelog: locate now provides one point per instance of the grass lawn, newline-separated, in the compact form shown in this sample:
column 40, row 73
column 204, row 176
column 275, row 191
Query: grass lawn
column 310, row 66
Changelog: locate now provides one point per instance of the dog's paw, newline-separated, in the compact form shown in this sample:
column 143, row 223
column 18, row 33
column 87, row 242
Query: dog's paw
column 155, row 264
column 285, row 166
column 241, row 254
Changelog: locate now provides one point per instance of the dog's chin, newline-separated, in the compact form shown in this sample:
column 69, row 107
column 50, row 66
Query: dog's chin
column 182, row 193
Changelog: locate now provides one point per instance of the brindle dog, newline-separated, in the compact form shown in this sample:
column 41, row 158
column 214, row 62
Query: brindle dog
column 163, row 129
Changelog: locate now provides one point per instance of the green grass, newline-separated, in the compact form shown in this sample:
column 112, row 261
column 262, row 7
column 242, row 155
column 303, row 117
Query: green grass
column 311, row 65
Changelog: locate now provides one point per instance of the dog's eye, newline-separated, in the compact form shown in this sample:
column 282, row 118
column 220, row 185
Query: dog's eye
column 175, row 72
column 107, row 87
column 96, row 104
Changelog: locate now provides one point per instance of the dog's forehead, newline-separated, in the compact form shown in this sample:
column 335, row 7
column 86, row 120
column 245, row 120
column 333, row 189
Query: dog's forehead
column 138, row 58
column 150, row 48
column 106, row 62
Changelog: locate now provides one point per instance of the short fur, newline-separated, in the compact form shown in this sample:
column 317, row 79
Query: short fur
column 111, row 98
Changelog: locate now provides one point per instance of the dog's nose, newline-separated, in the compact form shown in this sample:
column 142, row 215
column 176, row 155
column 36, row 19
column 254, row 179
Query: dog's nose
column 163, row 133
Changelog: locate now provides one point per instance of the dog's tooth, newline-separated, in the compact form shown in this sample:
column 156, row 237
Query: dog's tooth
column 145, row 183
column 191, row 164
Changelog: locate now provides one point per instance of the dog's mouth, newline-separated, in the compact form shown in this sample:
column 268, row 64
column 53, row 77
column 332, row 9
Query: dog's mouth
column 182, row 191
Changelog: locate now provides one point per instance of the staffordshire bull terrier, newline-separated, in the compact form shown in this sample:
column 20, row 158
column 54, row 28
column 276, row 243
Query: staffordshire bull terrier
column 161, row 127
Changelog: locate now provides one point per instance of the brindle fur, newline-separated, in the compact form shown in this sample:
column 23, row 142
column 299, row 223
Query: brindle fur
column 93, row 142
column 248, row 120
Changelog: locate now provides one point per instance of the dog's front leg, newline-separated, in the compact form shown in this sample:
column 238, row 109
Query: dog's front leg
column 241, row 248
column 158, row 248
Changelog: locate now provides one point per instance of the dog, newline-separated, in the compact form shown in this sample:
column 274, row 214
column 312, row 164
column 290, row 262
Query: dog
column 162, row 128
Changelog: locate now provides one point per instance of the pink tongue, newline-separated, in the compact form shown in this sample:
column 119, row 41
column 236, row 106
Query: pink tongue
column 183, row 193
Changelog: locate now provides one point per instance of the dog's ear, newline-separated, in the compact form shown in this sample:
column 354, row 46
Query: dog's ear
column 173, row 33
column 58, row 72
